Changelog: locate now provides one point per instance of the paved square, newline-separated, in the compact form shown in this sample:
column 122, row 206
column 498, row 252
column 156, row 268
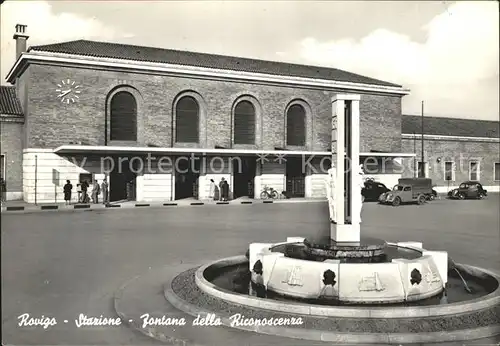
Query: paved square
column 61, row 264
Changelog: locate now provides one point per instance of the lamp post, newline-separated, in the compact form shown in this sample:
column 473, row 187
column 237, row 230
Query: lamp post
column 36, row 178
column 415, row 156
column 422, row 168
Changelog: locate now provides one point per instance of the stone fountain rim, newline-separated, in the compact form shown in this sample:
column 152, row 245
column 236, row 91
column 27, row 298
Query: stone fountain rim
column 209, row 288
column 330, row 336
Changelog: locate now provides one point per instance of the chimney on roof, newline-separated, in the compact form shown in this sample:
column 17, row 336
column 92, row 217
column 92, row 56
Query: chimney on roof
column 21, row 38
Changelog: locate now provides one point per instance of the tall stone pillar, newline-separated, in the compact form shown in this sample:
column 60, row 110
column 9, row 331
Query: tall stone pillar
column 345, row 157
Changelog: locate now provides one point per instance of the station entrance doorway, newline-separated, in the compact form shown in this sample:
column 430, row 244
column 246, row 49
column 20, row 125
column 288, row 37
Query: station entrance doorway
column 244, row 170
column 122, row 181
column 187, row 172
column 295, row 177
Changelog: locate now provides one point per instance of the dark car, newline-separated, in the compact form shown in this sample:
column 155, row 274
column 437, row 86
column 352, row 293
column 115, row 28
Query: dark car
column 468, row 189
column 434, row 194
column 373, row 190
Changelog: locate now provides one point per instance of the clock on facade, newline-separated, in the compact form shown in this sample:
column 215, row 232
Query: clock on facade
column 68, row 91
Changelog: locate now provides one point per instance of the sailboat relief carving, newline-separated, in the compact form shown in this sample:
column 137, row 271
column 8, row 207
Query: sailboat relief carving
column 371, row 283
column 293, row 277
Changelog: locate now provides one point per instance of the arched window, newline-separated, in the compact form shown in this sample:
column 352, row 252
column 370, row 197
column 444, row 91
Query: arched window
column 123, row 117
column 296, row 125
column 244, row 123
column 187, row 120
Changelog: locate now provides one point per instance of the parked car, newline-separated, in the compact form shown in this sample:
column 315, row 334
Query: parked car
column 372, row 190
column 468, row 189
column 408, row 191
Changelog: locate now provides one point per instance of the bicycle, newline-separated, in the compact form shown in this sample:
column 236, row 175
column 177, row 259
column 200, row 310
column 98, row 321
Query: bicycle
column 269, row 192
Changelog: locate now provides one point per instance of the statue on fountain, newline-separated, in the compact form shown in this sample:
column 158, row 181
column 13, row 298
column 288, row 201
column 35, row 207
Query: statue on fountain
column 330, row 192
column 360, row 185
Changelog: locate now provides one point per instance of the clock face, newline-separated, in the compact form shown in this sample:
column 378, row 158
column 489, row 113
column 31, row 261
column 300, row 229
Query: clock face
column 68, row 91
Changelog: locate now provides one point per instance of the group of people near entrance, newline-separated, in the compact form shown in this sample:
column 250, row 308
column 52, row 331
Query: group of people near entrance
column 83, row 196
column 220, row 192
column 358, row 182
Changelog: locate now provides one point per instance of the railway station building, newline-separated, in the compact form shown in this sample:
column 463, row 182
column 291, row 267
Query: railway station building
column 159, row 124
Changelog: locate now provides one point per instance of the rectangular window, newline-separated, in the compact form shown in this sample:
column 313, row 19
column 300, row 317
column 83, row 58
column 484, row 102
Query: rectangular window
column 449, row 171
column 187, row 120
column 496, row 171
column 85, row 177
column 422, row 170
column 244, row 130
column 474, row 170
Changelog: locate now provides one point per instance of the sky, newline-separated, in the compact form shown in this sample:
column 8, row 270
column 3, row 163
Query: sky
column 446, row 53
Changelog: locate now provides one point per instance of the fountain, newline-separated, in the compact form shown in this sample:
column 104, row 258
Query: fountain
column 341, row 286
column 344, row 266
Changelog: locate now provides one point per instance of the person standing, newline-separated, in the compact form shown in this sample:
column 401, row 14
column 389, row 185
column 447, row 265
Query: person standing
column 104, row 190
column 67, row 192
column 95, row 192
column 3, row 190
column 216, row 192
column 211, row 193
column 225, row 188
column 84, row 197
column 221, row 188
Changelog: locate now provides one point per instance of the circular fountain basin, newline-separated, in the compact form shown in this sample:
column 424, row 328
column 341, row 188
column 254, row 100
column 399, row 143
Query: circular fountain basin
column 217, row 289
column 395, row 274
column 234, row 278
column 231, row 289
column 226, row 279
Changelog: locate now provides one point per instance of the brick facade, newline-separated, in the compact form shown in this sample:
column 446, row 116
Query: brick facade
column 52, row 123
column 460, row 152
column 11, row 134
column 380, row 123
